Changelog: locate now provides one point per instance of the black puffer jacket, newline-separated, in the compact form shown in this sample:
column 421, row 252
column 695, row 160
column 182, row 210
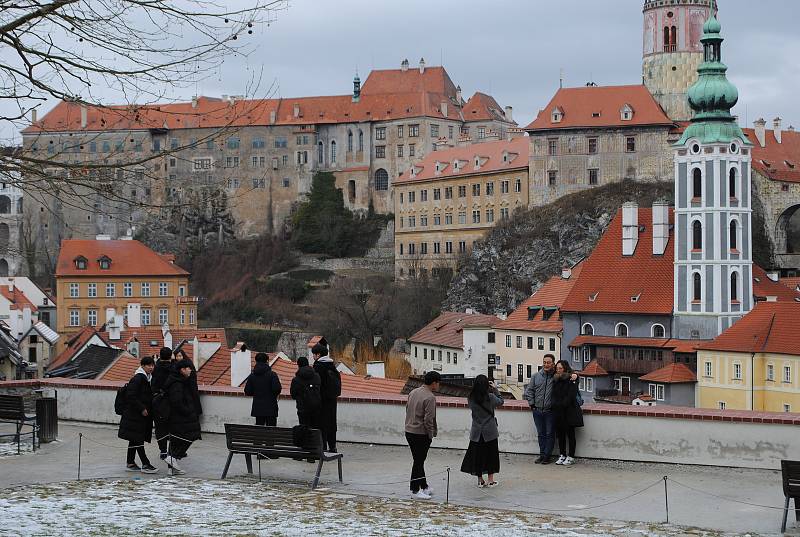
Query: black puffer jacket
column 304, row 377
column 565, row 402
column 138, row 397
column 160, row 374
column 184, row 420
column 264, row 386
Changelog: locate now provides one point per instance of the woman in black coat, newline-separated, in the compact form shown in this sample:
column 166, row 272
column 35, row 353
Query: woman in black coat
column 330, row 389
column 136, row 424
column 567, row 411
column 184, row 420
column 264, row 386
column 308, row 406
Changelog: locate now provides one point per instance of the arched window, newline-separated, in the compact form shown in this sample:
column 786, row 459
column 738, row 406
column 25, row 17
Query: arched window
column 697, row 235
column 732, row 235
column 3, row 268
column 320, row 153
column 697, row 287
column 734, row 286
column 349, row 141
column 732, row 183
column 673, row 40
column 5, row 205
column 697, row 183
column 360, row 140
column 4, row 236
column 381, row 179
column 333, row 151
column 657, row 330
column 666, row 38
column 621, row 330
column 587, row 330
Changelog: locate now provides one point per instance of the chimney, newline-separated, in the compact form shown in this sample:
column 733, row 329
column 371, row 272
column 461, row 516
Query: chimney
column 630, row 227
column 102, row 237
column 508, row 115
column 660, row 227
column 376, row 370
column 84, row 116
column 459, row 100
column 224, row 97
column 296, row 110
column 404, row 65
column 566, row 273
column 791, row 128
column 196, row 352
column 776, row 126
column 134, row 315
column 443, row 108
column 133, row 347
column 469, row 311
column 272, row 116
column 761, row 132
column 166, row 335
column 33, row 115
column 194, row 101
column 240, row 363
column 421, row 65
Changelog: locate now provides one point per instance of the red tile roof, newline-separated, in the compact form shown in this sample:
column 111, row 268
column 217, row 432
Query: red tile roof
column 600, row 106
column 74, row 344
column 482, row 107
column 777, row 161
column 391, row 81
column 122, row 369
column 491, row 154
column 447, row 329
column 593, row 369
column 551, row 294
column 128, row 258
column 17, row 298
column 673, row 373
column 792, row 283
column 609, row 280
column 764, row 287
column 611, row 341
column 771, row 327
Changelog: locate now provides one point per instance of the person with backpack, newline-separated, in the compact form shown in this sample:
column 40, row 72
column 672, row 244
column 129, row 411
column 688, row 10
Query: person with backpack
column 421, row 429
column 330, row 390
column 483, row 454
column 305, row 390
column 160, row 402
column 567, row 410
column 264, row 386
column 183, row 420
column 136, row 424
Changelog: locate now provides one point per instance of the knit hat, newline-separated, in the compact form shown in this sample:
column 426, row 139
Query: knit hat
column 302, row 361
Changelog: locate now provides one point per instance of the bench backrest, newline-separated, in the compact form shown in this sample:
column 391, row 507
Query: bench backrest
column 12, row 407
column 791, row 478
column 277, row 439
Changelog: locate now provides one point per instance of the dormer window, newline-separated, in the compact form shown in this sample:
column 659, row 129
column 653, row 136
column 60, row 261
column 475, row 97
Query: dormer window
column 556, row 115
column 104, row 262
column 626, row 113
column 81, row 263
column 789, row 163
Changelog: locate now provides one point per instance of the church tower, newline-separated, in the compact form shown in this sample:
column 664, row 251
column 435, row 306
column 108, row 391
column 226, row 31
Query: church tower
column 672, row 50
column 713, row 240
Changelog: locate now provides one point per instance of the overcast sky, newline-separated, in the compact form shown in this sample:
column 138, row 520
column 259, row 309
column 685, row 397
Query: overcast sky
column 512, row 49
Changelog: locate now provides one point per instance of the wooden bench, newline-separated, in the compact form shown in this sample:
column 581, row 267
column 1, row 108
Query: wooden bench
column 276, row 442
column 790, row 471
column 12, row 410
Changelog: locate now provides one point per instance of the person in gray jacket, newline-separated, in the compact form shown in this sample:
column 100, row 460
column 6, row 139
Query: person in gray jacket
column 539, row 394
column 483, row 455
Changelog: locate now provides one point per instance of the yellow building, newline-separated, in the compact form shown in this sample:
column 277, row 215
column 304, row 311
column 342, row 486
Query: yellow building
column 754, row 364
column 119, row 282
column 451, row 198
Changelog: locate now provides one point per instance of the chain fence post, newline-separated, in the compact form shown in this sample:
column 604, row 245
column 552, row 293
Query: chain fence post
column 447, row 491
column 666, row 498
column 80, row 441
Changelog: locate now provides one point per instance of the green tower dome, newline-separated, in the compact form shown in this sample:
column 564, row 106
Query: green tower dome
column 713, row 95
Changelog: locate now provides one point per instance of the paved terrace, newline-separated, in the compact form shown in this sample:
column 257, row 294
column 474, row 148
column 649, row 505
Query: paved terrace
column 532, row 499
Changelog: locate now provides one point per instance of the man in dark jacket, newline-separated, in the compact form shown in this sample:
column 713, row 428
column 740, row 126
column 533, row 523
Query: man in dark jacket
column 184, row 420
column 306, row 380
column 264, row 386
column 330, row 389
column 539, row 394
column 136, row 425
column 160, row 375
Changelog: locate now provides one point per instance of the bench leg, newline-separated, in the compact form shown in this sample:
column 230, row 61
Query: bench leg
column 339, row 460
column 785, row 514
column 249, row 462
column 227, row 465
column 316, row 477
column 18, row 436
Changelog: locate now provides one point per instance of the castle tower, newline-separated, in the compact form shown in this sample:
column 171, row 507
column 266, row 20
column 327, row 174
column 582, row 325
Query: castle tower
column 713, row 239
column 672, row 50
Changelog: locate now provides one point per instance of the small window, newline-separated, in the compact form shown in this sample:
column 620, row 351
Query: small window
column 737, row 371
column 105, row 263
column 734, row 286
column 732, row 183
column 621, row 330
column 658, row 331
column 540, row 343
column 787, row 374
column 587, row 330
column 530, row 342
column 697, row 287
column 707, row 370
column 770, row 372
column 592, row 146
column 508, row 341
column 81, row 263
column 697, row 184
column 382, row 179
column 697, row 235
column 630, row 144
column 490, row 337
column 721, row 405
column 732, row 235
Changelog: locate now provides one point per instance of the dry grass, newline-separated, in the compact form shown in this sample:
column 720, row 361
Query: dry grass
column 396, row 366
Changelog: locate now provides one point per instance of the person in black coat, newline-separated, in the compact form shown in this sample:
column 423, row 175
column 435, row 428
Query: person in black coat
column 306, row 379
column 184, row 420
column 264, row 386
column 160, row 375
column 330, row 389
column 136, row 424
column 568, row 413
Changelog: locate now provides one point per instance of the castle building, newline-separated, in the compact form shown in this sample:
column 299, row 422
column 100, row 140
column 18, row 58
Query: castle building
column 11, row 229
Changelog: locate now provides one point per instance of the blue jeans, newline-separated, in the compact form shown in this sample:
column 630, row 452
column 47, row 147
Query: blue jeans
column 545, row 427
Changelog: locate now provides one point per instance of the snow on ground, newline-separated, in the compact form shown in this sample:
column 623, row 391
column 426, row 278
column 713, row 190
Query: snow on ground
column 9, row 449
column 183, row 506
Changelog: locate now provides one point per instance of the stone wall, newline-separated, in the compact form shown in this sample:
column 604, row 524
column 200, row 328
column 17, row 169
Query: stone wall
column 778, row 201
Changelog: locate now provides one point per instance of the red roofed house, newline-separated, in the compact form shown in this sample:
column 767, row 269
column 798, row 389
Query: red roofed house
column 532, row 330
column 121, row 284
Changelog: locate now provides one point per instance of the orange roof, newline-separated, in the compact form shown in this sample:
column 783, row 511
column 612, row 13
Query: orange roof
column 552, row 295
column 482, row 107
column 674, row 345
column 673, row 373
column 74, row 344
column 490, row 153
column 447, row 329
column 770, row 327
column 764, row 286
column 600, row 106
column 593, row 369
column 393, row 81
column 610, row 282
column 17, row 298
column 128, row 258
column 777, row 161
column 792, row 283
column 122, row 369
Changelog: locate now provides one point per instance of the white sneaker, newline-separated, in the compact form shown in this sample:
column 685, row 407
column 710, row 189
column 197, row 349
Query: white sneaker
column 421, row 495
column 175, row 467
column 428, row 490
column 569, row 461
column 561, row 459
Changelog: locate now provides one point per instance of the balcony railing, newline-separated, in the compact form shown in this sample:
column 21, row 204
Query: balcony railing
column 186, row 300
